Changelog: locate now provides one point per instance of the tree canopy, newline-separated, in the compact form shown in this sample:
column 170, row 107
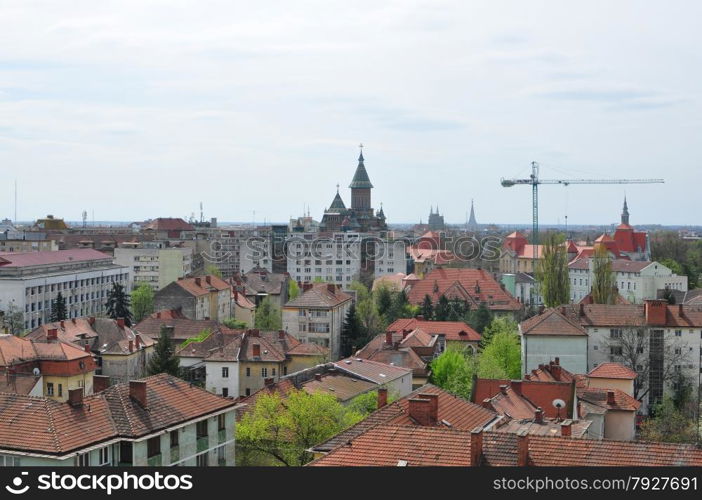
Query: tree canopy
column 268, row 316
column 58, row 308
column 164, row 359
column 142, row 301
column 501, row 354
column 118, row 304
column 604, row 289
column 453, row 371
column 552, row 271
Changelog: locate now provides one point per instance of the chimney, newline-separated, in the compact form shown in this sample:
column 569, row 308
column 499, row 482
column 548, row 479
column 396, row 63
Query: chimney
column 198, row 281
column 257, row 350
column 52, row 334
column 539, row 416
column 268, row 382
column 100, row 383
column 253, row 332
column 63, row 325
column 680, row 310
column 120, row 323
column 420, row 317
column 581, row 310
column 318, row 377
column 434, row 408
column 516, row 386
column 522, row 448
column 610, row 398
column 566, row 428
column 281, row 334
column 420, row 411
column 476, row 446
column 556, row 360
column 87, row 348
column 158, row 315
column 137, row 341
column 73, row 320
column 405, row 333
column 208, row 279
column 655, row 312
column 137, row 391
column 388, row 338
column 91, row 320
column 562, row 310
column 75, row 397
column 487, row 404
column 131, row 345
column 556, row 371
column 503, row 389
column 382, row 397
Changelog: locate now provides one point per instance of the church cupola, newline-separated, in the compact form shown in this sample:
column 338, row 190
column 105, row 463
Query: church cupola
column 361, row 186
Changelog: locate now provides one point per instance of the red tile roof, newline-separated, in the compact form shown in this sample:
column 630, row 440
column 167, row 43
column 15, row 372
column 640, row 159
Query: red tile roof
column 48, row 257
column 632, row 315
column 169, row 224
column 612, row 370
column 551, row 322
column 622, row 401
column 320, row 295
column 206, row 284
column 453, row 330
column 473, row 285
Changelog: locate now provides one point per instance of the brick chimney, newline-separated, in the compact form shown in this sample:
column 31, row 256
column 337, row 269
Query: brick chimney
column 254, row 332
column 388, row 338
column 539, row 416
column 198, row 281
column 63, row 325
column 137, row 341
column 131, row 345
column 257, row 350
column 91, row 320
column 52, row 334
column 87, row 347
column 208, row 279
column 158, row 315
column 610, row 398
column 306, row 287
column 516, row 386
column 681, row 313
column 420, row 411
column 476, row 446
column 434, row 398
column 137, row 391
column 382, row 397
column 655, row 312
column 75, row 397
column 556, row 371
column 566, row 428
column 100, row 383
column 281, row 334
column 581, row 310
column 556, row 360
column 522, row 448
column 420, row 317
column 120, row 323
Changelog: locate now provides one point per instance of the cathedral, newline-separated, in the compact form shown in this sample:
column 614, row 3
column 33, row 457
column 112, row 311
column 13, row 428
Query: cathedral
column 360, row 217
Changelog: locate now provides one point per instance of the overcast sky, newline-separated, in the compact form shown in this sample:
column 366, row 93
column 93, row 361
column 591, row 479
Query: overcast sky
column 134, row 110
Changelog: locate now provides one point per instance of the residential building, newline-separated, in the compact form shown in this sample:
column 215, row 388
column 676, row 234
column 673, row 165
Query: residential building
column 456, row 334
column 51, row 223
column 243, row 309
column 168, row 228
column 15, row 241
column 256, row 252
column 157, row 421
column 523, row 287
column 156, row 265
column 201, row 297
column 29, row 282
column 121, row 352
column 317, row 315
column 259, row 283
column 333, row 258
column 636, row 281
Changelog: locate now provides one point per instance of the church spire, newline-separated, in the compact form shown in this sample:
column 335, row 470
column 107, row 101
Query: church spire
column 360, row 178
column 625, row 213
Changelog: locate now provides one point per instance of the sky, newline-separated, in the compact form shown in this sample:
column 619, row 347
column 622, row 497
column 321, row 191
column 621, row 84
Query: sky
column 139, row 109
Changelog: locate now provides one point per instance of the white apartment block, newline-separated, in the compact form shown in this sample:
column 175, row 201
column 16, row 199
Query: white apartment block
column 228, row 249
column 255, row 251
column 390, row 257
column 636, row 281
column 332, row 258
column 30, row 281
column 156, row 266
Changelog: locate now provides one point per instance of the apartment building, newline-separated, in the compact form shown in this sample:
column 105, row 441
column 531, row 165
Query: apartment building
column 155, row 264
column 202, row 297
column 30, row 281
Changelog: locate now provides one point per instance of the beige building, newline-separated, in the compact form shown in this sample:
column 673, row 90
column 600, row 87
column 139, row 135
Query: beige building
column 202, row 297
column 156, row 266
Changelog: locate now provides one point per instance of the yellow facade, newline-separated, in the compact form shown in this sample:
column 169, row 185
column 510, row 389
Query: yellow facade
column 57, row 388
column 253, row 373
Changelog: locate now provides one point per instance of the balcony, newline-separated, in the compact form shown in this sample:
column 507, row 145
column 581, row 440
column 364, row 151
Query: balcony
column 154, row 461
column 203, row 443
column 221, row 436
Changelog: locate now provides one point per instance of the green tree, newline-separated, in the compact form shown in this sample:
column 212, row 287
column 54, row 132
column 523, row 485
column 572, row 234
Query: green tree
column 442, row 310
column 603, row 282
column 453, row 371
column 58, row 308
column 142, row 301
column 669, row 424
column 427, row 308
column 293, row 290
column 673, row 265
column 399, row 307
column 479, row 318
column 552, row 271
column 12, row 320
column 501, row 356
column 383, row 300
column 213, row 270
column 164, row 359
column 367, row 311
column 268, row 316
column 118, row 304
column 366, row 403
column 352, row 336
column 235, row 324
column 283, row 430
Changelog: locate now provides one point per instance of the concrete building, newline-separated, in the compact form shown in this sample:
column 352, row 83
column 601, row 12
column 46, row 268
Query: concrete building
column 157, row 421
column 317, row 316
column 156, row 264
column 29, row 282
column 202, row 297
column 636, row 281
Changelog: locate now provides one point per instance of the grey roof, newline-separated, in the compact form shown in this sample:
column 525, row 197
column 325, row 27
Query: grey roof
column 337, row 203
column 360, row 178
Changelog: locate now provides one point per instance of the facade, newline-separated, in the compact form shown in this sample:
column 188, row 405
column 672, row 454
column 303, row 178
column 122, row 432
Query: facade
column 156, row 267
column 29, row 282
column 636, row 281
column 523, row 287
column 453, row 334
column 202, row 297
column 259, row 283
column 317, row 316
column 157, row 421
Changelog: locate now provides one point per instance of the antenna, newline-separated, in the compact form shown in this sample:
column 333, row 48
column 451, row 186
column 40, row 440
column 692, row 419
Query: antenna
column 202, row 216
column 15, row 201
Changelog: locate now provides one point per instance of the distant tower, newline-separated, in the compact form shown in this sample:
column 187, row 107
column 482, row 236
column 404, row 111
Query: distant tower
column 625, row 213
column 472, row 223
column 85, row 218
column 361, row 187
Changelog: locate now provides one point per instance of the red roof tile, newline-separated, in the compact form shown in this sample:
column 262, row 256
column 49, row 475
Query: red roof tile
column 551, row 322
column 612, row 370
column 453, row 330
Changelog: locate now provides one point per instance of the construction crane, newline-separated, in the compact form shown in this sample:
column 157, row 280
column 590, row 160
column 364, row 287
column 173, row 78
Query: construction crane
column 534, row 182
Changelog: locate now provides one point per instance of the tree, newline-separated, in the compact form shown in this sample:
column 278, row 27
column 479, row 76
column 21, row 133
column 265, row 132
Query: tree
column 427, row 308
column 118, row 304
column 235, row 324
column 443, row 308
column 12, row 320
column 164, row 359
column 58, row 308
column 213, row 270
column 142, row 301
column 669, row 424
column 383, row 300
column 268, row 316
column 501, row 356
column 604, row 288
column 366, row 403
column 293, row 290
column 552, row 272
column 399, row 307
column 283, row 430
column 479, row 318
column 352, row 336
column 453, row 371
column 366, row 310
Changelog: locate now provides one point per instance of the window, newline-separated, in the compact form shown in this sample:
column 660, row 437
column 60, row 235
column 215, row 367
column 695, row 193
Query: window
column 273, row 371
column 225, row 392
column 615, row 333
column 221, row 422
column 678, row 333
column 201, row 428
column 9, row 461
column 248, row 371
column 264, row 372
column 221, row 458
column 153, row 446
column 174, row 439
column 202, row 460
column 60, row 387
column 615, row 350
column 125, row 452
column 84, row 459
column 248, row 391
column 225, row 372
column 50, row 389
column 104, row 455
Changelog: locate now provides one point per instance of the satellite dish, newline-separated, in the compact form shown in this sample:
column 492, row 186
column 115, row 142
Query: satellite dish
column 36, row 372
column 558, row 403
